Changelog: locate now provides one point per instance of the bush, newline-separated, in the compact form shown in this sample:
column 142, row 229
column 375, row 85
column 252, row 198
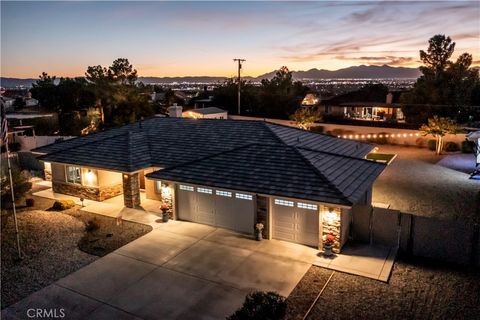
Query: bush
column 451, row 146
column 92, row 225
column 60, row 205
column 432, row 144
column 467, row 146
column 29, row 202
column 261, row 305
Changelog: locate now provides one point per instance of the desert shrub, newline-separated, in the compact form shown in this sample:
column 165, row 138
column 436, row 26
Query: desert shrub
column 467, row 146
column 29, row 202
column 92, row 225
column 60, row 205
column 261, row 305
column 432, row 144
column 451, row 146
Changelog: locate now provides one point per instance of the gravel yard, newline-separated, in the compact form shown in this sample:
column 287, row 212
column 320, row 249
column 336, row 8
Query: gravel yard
column 416, row 290
column 49, row 241
column 55, row 244
column 415, row 183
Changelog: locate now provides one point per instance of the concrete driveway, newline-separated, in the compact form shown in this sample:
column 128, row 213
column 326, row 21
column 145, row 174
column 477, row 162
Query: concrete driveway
column 180, row 270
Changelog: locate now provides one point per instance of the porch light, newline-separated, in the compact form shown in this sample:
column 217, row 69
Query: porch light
column 166, row 190
column 90, row 175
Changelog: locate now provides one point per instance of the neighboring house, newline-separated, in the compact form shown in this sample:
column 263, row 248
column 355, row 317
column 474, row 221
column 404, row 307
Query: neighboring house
column 226, row 173
column 366, row 110
column 474, row 137
column 206, row 113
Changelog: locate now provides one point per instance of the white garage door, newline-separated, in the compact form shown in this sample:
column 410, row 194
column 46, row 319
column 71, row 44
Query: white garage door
column 216, row 207
column 295, row 222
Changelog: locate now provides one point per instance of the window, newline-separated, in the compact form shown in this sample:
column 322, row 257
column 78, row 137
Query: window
column 224, row 193
column 285, row 203
column 243, row 196
column 307, row 206
column 204, row 190
column 73, row 175
column 186, row 188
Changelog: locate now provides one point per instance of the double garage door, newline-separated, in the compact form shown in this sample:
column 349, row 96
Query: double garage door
column 296, row 222
column 216, row 207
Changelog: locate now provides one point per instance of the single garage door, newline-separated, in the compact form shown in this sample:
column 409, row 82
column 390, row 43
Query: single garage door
column 295, row 222
column 216, row 207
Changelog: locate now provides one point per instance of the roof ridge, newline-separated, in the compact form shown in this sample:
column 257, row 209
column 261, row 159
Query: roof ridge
column 318, row 172
column 336, row 154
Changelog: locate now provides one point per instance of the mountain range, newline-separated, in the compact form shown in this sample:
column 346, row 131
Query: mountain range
column 355, row 72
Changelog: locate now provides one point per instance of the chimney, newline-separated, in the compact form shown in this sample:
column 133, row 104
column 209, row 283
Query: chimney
column 389, row 98
column 175, row 111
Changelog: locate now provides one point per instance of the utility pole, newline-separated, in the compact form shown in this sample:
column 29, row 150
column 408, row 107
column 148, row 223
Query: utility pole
column 239, row 79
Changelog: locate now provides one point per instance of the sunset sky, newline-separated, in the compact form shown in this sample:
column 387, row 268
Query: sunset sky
column 202, row 38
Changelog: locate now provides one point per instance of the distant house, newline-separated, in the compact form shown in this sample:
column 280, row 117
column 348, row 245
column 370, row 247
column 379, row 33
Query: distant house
column 310, row 100
column 206, row 113
column 366, row 110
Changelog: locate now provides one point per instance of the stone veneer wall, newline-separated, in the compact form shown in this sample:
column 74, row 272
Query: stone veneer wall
column 131, row 190
column 167, row 197
column 92, row 193
column 333, row 228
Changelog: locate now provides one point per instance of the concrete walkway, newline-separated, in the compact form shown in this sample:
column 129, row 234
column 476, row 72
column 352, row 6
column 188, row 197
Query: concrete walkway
column 375, row 262
column 180, row 270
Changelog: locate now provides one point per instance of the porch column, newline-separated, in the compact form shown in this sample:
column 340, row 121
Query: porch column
column 131, row 190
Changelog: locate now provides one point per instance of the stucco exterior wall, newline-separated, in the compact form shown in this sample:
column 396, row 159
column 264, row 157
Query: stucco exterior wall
column 150, row 191
column 109, row 178
column 100, row 186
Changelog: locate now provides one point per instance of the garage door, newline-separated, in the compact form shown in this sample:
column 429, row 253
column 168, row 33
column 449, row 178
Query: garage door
column 216, row 207
column 295, row 222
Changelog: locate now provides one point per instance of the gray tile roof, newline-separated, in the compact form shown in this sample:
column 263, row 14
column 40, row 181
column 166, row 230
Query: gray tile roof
column 309, row 165
column 280, row 170
column 209, row 110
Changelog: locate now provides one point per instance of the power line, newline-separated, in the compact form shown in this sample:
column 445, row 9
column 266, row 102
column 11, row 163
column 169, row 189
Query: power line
column 239, row 79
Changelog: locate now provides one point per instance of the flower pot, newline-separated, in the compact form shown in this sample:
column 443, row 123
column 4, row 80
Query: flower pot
column 327, row 250
column 258, row 235
column 165, row 216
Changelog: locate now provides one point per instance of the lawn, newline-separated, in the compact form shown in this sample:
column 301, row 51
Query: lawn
column 422, row 183
column 417, row 289
column 55, row 244
column 381, row 157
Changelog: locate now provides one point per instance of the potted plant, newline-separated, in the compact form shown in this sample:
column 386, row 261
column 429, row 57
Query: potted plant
column 258, row 231
column 328, row 245
column 165, row 215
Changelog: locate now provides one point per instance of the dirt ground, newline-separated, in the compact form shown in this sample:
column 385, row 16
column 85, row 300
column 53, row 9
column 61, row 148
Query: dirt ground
column 415, row 183
column 416, row 290
column 54, row 245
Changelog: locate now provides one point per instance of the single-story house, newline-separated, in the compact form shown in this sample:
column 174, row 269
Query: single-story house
column 228, row 173
column 206, row 113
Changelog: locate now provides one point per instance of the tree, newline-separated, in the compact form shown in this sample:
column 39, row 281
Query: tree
column 438, row 128
column 305, row 117
column 122, row 100
column 20, row 183
column 45, row 91
column 436, row 59
column 450, row 84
